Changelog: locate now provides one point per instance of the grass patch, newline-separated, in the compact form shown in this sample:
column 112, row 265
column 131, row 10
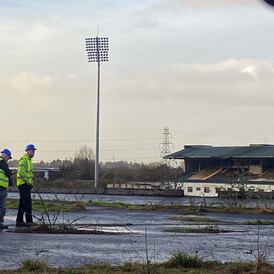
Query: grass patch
column 130, row 206
column 206, row 229
column 67, row 206
column 185, row 260
column 12, row 203
column 260, row 222
column 191, row 209
column 34, row 266
column 194, row 219
column 179, row 262
column 81, row 206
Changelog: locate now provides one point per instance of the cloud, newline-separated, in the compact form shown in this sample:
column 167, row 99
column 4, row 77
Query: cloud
column 189, row 64
column 207, row 4
column 162, row 9
column 250, row 69
column 29, row 82
column 227, row 83
column 72, row 76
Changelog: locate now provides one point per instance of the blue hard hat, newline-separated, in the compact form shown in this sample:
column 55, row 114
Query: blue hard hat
column 7, row 152
column 30, row 147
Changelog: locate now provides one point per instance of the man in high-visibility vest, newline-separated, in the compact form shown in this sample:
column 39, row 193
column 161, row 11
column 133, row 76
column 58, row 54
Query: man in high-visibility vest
column 5, row 182
column 25, row 182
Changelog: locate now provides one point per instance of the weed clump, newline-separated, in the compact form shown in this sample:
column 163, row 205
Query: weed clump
column 185, row 260
column 34, row 265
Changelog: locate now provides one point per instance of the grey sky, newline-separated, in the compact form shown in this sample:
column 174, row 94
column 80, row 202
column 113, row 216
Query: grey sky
column 205, row 69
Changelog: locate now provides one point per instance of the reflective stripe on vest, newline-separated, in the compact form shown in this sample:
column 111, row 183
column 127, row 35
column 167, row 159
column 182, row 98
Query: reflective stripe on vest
column 24, row 174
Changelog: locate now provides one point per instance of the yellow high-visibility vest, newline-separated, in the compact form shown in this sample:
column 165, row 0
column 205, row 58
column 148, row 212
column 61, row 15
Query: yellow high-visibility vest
column 4, row 180
column 24, row 173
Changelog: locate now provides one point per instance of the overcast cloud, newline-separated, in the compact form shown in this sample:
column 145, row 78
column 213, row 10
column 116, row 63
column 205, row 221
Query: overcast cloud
column 205, row 69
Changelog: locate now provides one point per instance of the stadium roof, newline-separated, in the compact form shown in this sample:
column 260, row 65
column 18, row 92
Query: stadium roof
column 224, row 152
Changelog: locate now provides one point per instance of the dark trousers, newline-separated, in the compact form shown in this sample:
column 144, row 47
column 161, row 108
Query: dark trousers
column 25, row 204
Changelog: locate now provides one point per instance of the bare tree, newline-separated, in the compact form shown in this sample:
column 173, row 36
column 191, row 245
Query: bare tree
column 85, row 153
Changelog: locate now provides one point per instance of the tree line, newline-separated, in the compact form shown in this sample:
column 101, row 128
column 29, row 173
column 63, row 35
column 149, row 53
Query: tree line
column 83, row 163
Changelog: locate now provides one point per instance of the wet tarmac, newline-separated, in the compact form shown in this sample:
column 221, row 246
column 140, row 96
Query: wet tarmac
column 75, row 249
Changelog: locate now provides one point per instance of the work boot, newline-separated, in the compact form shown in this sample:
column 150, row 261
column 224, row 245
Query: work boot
column 19, row 224
column 2, row 226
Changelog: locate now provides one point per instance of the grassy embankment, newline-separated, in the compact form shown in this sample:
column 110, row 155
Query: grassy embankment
column 194, row 209
column 208, row 221
column 183, row 208
column 209, row 225
column 37, row 205
column 179, row 262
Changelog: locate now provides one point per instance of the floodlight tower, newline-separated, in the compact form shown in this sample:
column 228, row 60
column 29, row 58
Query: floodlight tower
column 97, row 51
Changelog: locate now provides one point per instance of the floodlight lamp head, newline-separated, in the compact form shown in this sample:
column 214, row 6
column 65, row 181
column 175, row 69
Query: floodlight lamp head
column 97, row 49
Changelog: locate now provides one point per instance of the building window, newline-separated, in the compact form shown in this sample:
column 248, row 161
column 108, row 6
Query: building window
column 198, row 188
column 206, row 189
column 189, row 189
